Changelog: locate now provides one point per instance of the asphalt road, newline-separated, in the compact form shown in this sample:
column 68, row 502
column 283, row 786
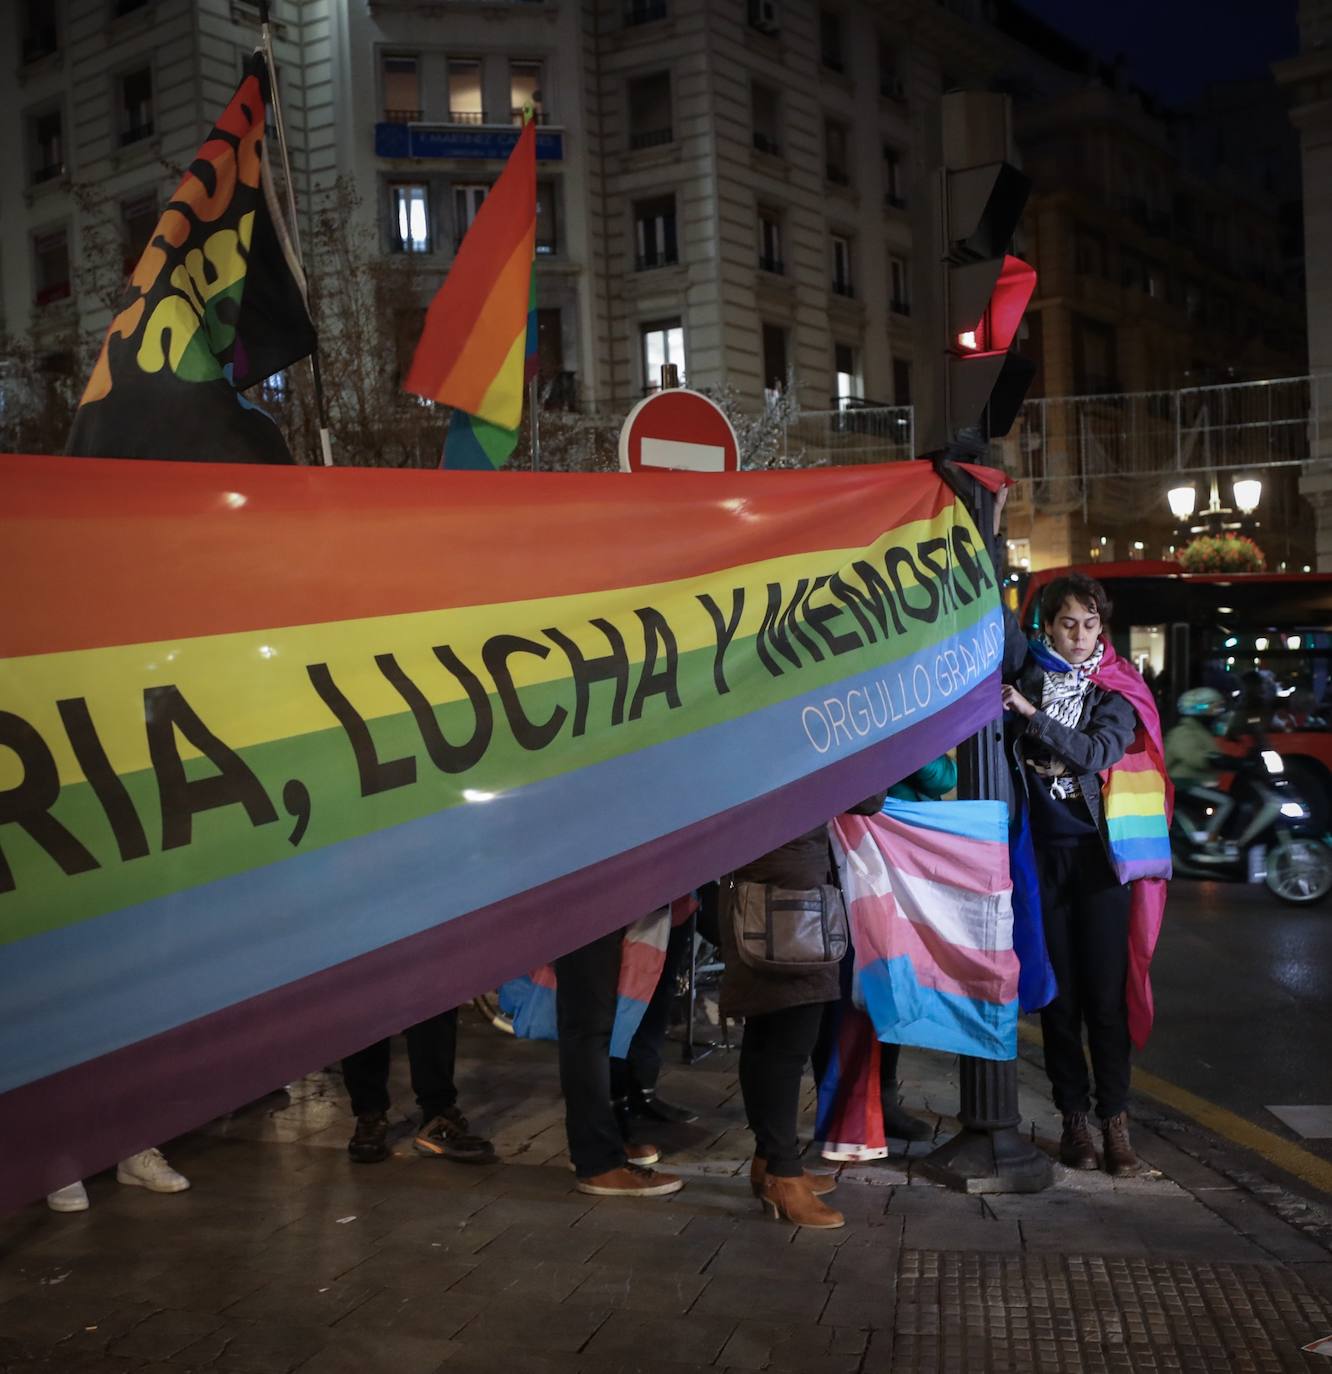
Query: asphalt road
column 1244, row 1002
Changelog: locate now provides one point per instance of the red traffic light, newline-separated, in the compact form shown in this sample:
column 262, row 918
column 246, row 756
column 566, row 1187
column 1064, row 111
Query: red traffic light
column 1003, row 310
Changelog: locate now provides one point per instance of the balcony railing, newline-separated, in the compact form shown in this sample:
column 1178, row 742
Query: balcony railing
column 50, row 172
column 838, row 176
column 538, row 116
column 774, row 265
column 136, row 133
column 667, row 257
column 644, row 11
column 467, row 117
column 765, row 143
column 842, row 287
column 402, row 116
column 650, row 138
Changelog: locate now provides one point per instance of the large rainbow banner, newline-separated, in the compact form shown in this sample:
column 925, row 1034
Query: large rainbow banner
column 293, row 758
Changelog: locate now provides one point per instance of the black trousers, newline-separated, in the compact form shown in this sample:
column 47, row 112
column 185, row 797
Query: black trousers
column 1086, row 915
column 773, row 1054
column 586, row 990
column 641, row 1068
column 432, row 1048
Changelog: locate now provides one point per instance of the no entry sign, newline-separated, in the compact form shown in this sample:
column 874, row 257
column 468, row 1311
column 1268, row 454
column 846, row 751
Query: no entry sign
column 678, row 429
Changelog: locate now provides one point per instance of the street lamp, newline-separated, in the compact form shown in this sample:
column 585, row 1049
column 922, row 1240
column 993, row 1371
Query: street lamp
column 1248, row 492
column 1182, row 501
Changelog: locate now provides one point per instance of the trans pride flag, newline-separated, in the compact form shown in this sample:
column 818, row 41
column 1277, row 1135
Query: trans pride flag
column 530, row 1001
column 930, row 903
column 479, row 340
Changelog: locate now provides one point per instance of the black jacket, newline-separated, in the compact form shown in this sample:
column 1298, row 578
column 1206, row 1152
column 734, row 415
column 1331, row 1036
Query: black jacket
column 1102, row 737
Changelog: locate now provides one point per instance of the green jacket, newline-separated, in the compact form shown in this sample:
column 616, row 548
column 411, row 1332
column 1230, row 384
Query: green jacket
column 928, row 783
column 1189, row 747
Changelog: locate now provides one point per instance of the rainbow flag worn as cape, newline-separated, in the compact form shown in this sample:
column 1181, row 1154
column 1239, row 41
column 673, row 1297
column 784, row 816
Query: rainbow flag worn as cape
column 530, row 1001
column 472, row 354
column 1139, row 802
column 930, row 904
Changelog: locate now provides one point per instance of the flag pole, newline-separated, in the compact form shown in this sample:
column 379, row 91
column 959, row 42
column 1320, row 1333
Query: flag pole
column 266, row 41
column 534, row 411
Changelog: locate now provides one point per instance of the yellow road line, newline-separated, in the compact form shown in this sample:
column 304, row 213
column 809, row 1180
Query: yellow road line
column 1285, row 1154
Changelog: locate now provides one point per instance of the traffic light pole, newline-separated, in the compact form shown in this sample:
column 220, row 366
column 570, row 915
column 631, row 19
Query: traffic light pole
column 988, row 1155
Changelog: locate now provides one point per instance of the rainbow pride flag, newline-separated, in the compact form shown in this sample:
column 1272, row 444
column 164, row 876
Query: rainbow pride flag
column 291, row 758
column 472, row 354
column 930, row 903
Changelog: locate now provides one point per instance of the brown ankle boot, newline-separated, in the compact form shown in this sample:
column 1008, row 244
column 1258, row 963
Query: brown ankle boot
column 790, row 1199
column 1077, row 1146
column 819, row 1184
column 1119, row 1157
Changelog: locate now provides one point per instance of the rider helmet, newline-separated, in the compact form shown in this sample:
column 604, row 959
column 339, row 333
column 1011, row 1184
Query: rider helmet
column 1201, row 701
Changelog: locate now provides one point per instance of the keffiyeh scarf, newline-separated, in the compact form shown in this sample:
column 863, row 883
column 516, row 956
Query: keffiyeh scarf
column 1064, row 689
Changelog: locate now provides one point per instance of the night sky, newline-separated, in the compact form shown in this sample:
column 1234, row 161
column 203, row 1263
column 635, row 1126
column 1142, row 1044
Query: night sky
column 1174, row 47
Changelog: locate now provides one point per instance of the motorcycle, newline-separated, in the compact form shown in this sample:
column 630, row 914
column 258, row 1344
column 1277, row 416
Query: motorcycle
column 1268, row 836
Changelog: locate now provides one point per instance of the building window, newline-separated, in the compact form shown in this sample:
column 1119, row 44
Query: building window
column 894, row 188
column 48, row 146
column 40, row 36
column 136, row 106
column 643, row 11
column 765, row 110
column 843, row 283
column 899, row 281
column 525, row 89
column 51, row 260
column 830, row 40
column 467, row 202
column 1089, row 258
column 901, row 382
column 547, row 223
column 138, row 219
column 764, row 16
column 662, row 343
column 846, row 366
column 836, row 152
column 650, row 110
column 891, row 84
column 1093, row 358
column 770, row 240
column 654, row 233
column 409, row 217
column 465, row 105
column 774, row 363
column 402, row 89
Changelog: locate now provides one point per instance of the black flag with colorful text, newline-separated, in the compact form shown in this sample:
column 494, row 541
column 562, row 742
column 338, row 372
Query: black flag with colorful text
column 216, row 304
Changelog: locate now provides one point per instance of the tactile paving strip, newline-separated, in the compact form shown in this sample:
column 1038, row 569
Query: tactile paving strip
column 1072, row 1314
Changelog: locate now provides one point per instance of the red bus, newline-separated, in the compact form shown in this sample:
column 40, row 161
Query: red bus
column 1211, row 630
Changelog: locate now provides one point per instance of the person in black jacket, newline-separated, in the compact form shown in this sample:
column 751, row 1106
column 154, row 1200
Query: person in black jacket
column 1063, row 731
column 782, row 1015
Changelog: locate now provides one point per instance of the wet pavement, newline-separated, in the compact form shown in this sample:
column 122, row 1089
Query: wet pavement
column 284, row 1256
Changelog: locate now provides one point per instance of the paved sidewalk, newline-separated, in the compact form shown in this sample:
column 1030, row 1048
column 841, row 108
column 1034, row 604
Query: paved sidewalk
column 285, row 1256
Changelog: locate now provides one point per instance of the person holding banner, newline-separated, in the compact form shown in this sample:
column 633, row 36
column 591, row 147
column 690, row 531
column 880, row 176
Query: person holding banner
column 783, row 935
column 1084, row 742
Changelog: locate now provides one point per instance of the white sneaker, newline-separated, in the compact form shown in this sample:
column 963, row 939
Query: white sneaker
column 73, row 1197
column 149, row 1169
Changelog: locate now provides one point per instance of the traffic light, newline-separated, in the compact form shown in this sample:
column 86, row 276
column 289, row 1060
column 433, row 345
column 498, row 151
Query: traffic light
column 986, row 290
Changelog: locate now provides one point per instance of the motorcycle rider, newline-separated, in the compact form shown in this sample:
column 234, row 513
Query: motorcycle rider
column 1191, row 760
